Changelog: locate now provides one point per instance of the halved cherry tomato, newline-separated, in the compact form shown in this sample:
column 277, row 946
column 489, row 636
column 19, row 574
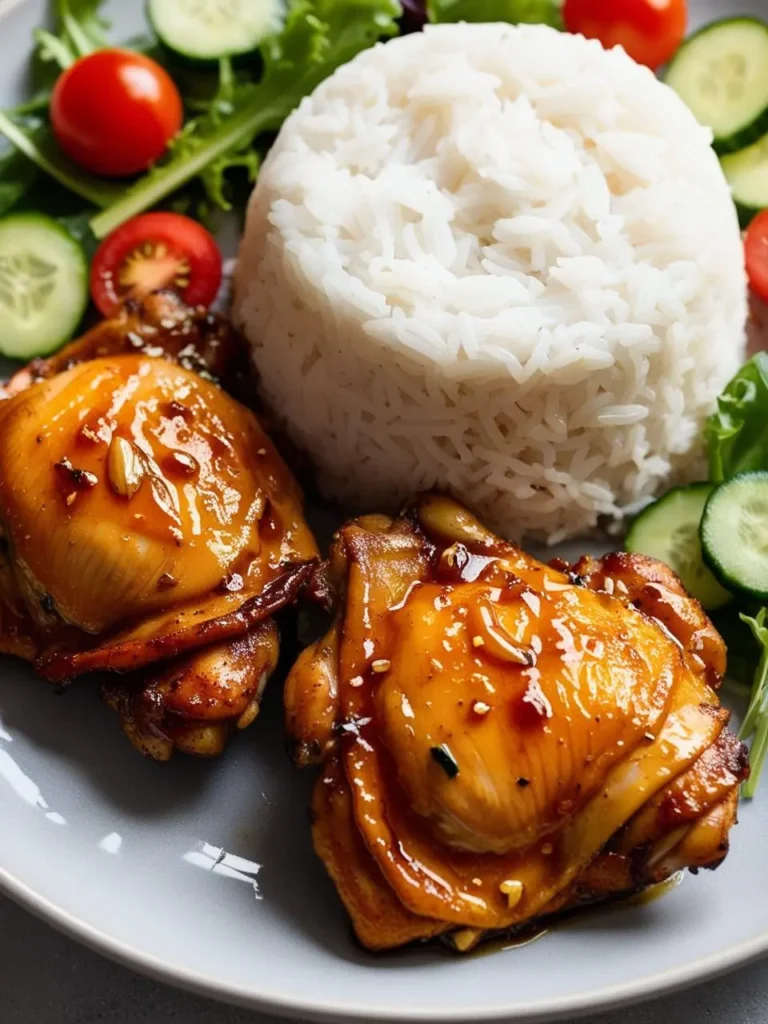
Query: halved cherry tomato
column 152, row 252
column 115, row 111
column 651, row 31
column 756, row 253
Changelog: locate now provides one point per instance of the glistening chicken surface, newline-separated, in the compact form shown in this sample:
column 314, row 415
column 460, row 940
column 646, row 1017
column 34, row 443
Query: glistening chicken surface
column 148, row 520
column 502, row 739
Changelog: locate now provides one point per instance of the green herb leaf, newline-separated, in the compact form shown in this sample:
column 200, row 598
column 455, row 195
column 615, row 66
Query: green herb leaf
column 53, row 49
column 82, row 27
column 759, row 631
column 737, row 434
column 743, row 651
column 80, row 31
column 755, row 724
column 17, row 176
column 214, row 177
column 546, row 12
column 36, row 105
column 34, row 139
column 79, row 227
column 319, row 35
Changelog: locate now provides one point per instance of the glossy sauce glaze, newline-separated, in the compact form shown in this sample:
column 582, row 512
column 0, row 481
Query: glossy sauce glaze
column 129, row 469
column 148, row 523
column 149, row 481
column 498, row 722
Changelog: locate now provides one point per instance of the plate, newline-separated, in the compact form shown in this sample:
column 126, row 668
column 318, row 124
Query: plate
column 203, row 874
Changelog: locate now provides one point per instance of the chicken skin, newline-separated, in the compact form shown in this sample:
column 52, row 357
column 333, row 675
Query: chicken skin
column 149, row 526
column 501, row 740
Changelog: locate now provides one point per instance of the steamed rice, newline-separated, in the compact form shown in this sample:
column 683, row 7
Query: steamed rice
column 500, row 261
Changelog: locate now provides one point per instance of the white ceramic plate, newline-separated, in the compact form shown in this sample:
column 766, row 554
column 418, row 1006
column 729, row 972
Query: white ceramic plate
column 203, row 874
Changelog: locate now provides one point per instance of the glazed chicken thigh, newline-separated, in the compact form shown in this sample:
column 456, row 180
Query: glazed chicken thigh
column 149, row 525
column 500, row 739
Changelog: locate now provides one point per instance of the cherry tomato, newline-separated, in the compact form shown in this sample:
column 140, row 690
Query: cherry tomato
column 651, row 31
column 152, row 252
column 756, row 253
column 115, row 111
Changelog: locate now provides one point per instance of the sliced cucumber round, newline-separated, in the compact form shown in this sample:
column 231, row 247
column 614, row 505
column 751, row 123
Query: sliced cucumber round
column 669, row 531
column 211, row 29
column 734, row 534
column 747, row 174
column 43, row 285
column 721, row 72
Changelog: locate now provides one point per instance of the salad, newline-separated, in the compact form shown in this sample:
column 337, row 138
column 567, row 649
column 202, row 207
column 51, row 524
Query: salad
column 713, row 534
column 175, row 122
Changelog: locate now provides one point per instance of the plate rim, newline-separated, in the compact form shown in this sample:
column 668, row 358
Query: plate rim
column 644, row 988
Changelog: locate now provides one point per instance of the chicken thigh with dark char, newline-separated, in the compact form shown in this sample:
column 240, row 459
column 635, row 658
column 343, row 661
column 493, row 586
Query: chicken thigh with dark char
column 149, row 526
column 502, row 740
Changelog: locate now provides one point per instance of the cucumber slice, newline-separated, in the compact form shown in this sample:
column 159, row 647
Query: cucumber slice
column 747, row 174
column 669, row 531
column 734, row 534
column 210, row 29
column 721, row 72
column 43, row 285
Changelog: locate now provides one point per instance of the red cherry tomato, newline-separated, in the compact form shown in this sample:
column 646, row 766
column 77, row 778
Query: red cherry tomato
column 152, row 252
column 115, row 111
column 756, row 253
column 651, row 31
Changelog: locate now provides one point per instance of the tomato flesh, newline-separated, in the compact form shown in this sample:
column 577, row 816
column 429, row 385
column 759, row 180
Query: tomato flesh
column 115, row 111
column 651, row 31
column 153, row 252
column 756, row 254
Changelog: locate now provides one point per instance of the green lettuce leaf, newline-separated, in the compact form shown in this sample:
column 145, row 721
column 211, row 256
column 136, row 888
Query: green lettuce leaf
column 215, row 176
column 33, row 138
column 80, row 31
column 546, row 12
column 318, row 36
column 755, row 725
column 17, row 176
column 737, row 434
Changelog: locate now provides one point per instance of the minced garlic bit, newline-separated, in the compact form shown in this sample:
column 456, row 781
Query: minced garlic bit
column 262, row 451
column 356, row 681
column 481, row 708
column 608, row 585
column 125, row 467
column 466, row 939
column 381, row 665
column 478, row 641
column 622, row 587
column 250, row 714
column 547, row 849
column 449, row 555
column 513, row 890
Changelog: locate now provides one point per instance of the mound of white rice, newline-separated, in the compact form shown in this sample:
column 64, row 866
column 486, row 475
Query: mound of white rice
column 500, row 261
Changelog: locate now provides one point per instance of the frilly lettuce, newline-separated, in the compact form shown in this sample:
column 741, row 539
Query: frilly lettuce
column 737, row 433
column 318, row 36
column 80, row 31
column 547, row 12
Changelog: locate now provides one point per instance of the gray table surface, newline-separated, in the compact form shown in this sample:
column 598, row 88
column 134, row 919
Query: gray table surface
column 46, row 978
